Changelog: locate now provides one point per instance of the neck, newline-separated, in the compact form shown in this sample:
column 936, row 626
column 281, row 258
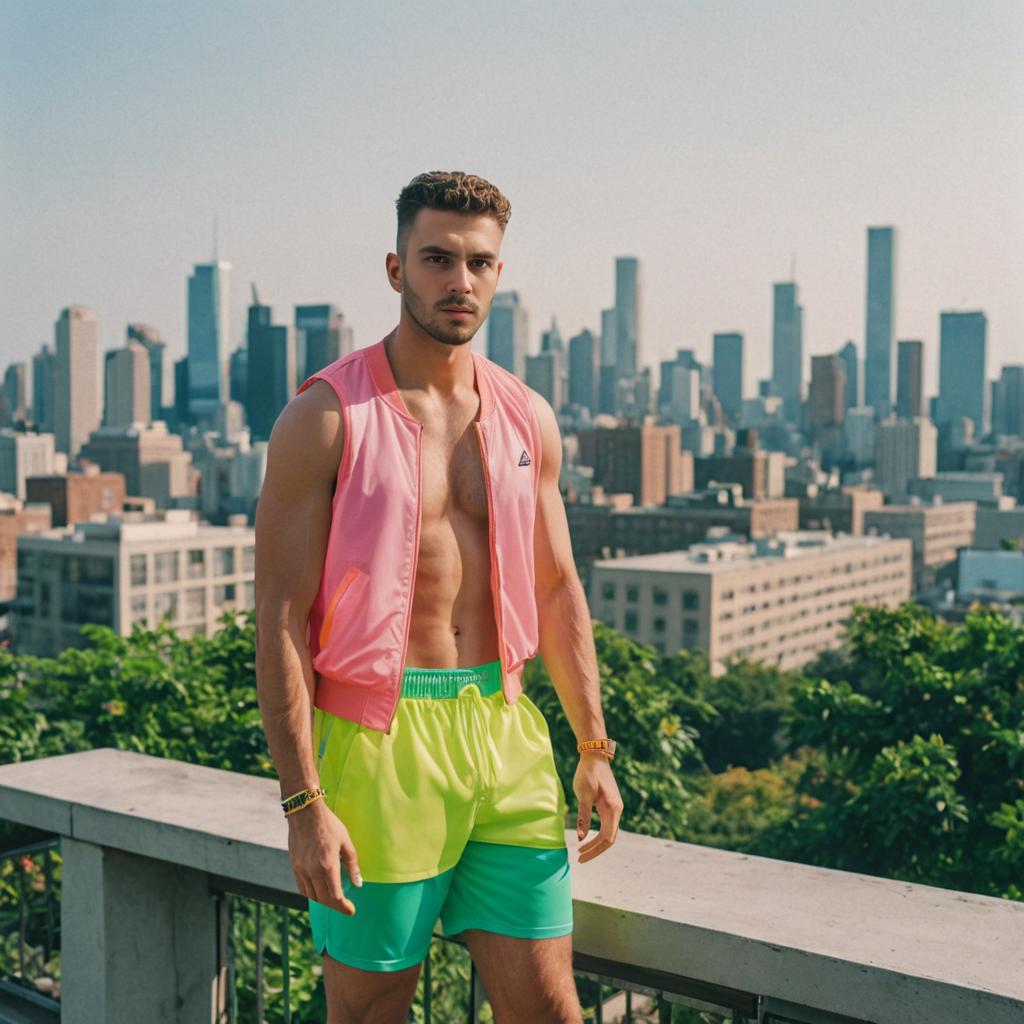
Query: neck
column 422, row 363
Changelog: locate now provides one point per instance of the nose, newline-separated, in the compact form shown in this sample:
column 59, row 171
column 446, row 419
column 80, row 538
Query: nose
column 460, row 282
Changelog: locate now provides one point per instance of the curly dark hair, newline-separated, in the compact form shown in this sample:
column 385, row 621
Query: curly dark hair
column 448, row 190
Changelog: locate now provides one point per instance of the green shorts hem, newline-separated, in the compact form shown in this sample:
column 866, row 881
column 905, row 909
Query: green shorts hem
column 550, row 931
column 380, row 966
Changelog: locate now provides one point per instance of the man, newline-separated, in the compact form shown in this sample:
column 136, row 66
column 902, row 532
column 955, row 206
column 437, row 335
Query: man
column 412, row 552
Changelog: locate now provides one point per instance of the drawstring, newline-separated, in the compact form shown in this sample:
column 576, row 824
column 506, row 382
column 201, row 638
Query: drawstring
column 470, row 703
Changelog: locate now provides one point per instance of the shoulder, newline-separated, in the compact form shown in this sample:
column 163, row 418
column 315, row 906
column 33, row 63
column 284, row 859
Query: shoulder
column 547, row 423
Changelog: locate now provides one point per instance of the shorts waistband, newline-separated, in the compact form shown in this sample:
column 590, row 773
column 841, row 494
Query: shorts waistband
column 448, row 682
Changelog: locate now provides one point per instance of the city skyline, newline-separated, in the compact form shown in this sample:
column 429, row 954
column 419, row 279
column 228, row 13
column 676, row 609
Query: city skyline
column 886, row 137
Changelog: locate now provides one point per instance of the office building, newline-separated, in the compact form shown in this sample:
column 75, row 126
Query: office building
column 584, row 353
column 24, row 454
column 826, row 406
column 160, row 381
column 727, row 373
column 128, row 386
column 76, row 405
column 909, row 379
column 1008, row 403
column 905, row 450
column 209, row 302
column 937, row 532
column 627, row 315
column 963, row 386
column 787, row 349
column 840, row 510
column 507, row 333
column 645, row 461
column 322, row 337
column 780, row 600
column 879, row 322
column 851, row 395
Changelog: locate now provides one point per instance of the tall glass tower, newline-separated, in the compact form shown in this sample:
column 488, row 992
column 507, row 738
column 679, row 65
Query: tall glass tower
column 879, row 326
column 208, row 320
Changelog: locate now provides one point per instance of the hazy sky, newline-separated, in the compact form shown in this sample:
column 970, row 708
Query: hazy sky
column 716, row 141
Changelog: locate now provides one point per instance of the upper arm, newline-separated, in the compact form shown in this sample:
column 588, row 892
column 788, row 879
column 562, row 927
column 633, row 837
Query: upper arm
column 293, row 514
column 552, row 547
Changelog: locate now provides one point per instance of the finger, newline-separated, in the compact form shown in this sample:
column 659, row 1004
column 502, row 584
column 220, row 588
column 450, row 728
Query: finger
column 583, row 818
column 332, row 881
column 597, row 846
column 323, row 885
column 604, row 836
column 348, row 857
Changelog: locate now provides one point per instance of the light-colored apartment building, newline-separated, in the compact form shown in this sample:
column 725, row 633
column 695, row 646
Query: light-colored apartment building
column 937, row 532
column 780, row 600
column 118, row 570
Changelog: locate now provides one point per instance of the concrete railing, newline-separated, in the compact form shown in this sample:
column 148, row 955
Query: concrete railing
column 147, row 843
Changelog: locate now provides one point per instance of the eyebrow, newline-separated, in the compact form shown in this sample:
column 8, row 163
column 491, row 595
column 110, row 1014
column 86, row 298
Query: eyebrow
column 441, row 251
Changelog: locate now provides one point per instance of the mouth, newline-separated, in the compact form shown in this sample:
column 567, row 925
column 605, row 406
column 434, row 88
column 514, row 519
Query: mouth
column 457, row 311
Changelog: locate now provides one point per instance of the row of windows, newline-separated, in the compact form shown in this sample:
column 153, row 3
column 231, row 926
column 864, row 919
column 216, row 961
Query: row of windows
column 190, row 604
column 659, row 595
column 631, row 624
column 167, row 564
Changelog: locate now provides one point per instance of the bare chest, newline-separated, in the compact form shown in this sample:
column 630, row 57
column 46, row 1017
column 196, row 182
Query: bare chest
column 453, row 474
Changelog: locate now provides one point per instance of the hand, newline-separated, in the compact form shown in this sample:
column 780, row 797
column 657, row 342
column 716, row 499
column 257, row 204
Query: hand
column 317, row 844
column 595, row 785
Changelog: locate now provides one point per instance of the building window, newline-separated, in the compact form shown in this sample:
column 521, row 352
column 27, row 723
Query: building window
column 138, row 570
column 196, row 564
column 659, row 625
column 195, row 603
column 690, row 627
column 608, row 590
column 249, row 558
column 630, row 622
column 165, row 605
column 659, row 595
column 138, row 610
column 223, row 593
column 223, row 561
column 691, row 600
column 249, row 594
column 633, row 593
column 165, row 567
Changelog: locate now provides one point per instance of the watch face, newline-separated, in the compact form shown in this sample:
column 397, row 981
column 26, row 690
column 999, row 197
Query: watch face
column 611, row 746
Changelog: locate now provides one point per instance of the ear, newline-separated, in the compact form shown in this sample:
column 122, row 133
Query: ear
column 393, row 268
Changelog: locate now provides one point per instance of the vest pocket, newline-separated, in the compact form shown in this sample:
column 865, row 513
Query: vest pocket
column 349, row 587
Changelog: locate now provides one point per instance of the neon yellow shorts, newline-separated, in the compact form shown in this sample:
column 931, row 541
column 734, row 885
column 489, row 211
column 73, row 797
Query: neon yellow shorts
column 458, row 812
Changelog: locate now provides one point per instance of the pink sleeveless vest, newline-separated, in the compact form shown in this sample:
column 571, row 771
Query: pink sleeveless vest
column 358, row 628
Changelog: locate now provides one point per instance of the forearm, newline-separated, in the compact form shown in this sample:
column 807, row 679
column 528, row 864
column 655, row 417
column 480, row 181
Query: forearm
column 284, row 682
column 567, row 648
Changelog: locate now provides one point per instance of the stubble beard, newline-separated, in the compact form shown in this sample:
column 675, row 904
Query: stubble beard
column 447, row 336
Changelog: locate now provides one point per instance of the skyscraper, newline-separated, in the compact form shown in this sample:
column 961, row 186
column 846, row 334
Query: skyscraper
column 128, row 386
column 727, row 373
column 826, row 407
column 44, row 372
column 962, row 364
column 544, row 375
column 787, row 349
column 905, row 450
column 848, row 354
column 76, row 400
column 583, row 365
column 271, row 378
column 879, row 325
column 322, row 338
column 149, row 337
column 627, row 315
column 507, row 333
column 909, row 379
column 1008, row 411
column 608, row 372
column 208, row 332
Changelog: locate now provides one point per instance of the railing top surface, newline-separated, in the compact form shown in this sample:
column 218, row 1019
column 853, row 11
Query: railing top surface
column 731, row 918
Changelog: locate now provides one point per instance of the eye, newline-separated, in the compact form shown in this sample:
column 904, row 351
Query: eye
column 435, row 256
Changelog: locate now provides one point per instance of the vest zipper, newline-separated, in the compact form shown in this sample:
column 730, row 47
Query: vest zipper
column 412, row 577
column 495, row 590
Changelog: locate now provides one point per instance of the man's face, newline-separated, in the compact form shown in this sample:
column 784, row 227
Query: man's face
column 449, row 273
